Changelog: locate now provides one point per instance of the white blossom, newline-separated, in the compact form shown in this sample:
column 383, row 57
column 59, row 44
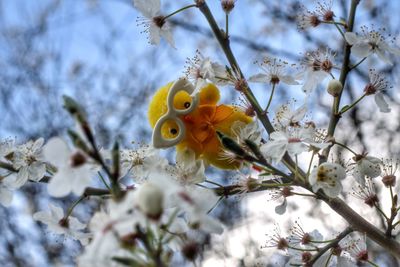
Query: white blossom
column 301, row 239
column 307, row 19
column 317, row 65
column 118, row 222
column 330, row 260
column 327, row 177
column 188, row 169
column 287, row 115
column 73, row 174
column 250, row 131
column 371, row 41
column 275, row 239
column 246, row 182
column 28, row 160
column 197, row 202
column 155, row 24
column 298, row 258
column 189, row 175
column 339, row 255
column 283, row 193
column 366, row 166
column 7, row 147
column 310, row 19
column 57, row 223
column 140, row 162
column 7, row 178
column 200, row 70
column 294, row 141
column 274, row 72
column 389, row 172
column 355, row 248
column 377, row 86
column 108, row 226
column 6, row 195
column 366, row 192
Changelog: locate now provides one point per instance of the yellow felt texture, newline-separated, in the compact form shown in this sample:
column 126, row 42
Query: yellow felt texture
column 201, row 124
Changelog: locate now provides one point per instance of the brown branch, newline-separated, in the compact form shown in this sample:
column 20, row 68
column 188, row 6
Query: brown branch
column 353, row 218
column 332, row 244
column 335, row 117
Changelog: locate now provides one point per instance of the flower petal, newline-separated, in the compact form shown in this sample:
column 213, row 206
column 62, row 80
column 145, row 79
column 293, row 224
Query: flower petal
column 382, row 55
column 290, row 80
column 281, row 209
column 6, row 196
column 381, row 103
column 56, row 152
column 351, row 38
column 59, row 185
column 166, row 32
column 154, row 34
column 393, row 50
column 259, row 78
column 361, row 49
column 149, row 8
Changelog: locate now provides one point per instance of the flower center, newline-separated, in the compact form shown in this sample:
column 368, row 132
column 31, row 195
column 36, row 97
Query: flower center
column 362, row 255
column 77, row 159
column 63, row 222
column 370, row 89
column 314, row 21
column 274, row 79
column 326, row 65
column 159, row 21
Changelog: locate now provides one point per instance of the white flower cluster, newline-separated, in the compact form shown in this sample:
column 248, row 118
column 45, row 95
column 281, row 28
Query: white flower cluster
column 159, row 211
column 21, row 163
column 302, row 247
column 145, row 222
column 163, row 206
column 292, row 136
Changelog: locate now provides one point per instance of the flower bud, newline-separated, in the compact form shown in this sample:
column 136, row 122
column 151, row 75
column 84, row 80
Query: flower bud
column 231, row 145
column 389, row 180
column 228, row 5
column 128, row 241
column 335, row 87
column 190, row 251
column 150, row 200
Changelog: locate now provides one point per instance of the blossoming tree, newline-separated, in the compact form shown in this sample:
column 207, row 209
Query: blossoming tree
column 164, row 210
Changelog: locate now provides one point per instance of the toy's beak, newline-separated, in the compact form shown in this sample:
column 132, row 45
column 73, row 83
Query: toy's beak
column 188, row 119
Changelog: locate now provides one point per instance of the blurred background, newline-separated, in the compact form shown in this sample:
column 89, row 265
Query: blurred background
column 94, row 51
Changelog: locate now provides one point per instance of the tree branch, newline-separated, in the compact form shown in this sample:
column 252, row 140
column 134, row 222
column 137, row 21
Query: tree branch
column 338, row 205
column 332, row 244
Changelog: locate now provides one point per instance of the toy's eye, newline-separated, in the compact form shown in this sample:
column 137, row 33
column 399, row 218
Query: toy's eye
column 173, row 131
column 186, row 105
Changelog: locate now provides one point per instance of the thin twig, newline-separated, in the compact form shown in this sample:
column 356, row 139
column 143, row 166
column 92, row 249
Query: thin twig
column 334, row 243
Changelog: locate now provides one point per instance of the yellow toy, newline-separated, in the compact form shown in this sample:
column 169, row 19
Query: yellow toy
column 192, row 121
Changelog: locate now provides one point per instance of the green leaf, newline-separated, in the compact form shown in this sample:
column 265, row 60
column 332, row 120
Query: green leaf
column 265, row 173
column 127, row 261
column 344, row 109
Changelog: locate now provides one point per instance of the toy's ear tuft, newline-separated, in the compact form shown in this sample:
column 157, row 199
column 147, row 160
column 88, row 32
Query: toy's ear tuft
column 158, row 104
column 209, row 95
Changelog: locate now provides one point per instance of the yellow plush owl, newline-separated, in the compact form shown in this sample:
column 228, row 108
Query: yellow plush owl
column 201, row 123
